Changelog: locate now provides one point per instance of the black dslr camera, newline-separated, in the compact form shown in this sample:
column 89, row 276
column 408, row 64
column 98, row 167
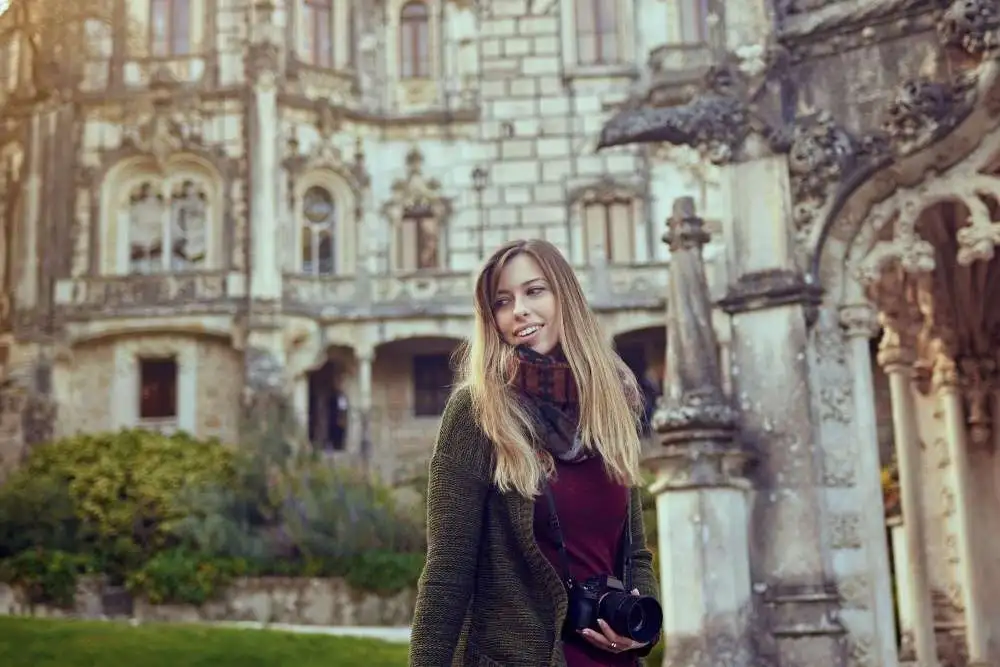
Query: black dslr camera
column 638, row 617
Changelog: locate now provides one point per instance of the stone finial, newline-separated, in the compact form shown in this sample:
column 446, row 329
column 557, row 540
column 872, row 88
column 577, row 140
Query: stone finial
column 693, row 400
column 685, row 230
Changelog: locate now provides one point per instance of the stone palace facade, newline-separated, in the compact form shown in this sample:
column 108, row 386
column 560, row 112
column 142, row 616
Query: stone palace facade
column 220, row 197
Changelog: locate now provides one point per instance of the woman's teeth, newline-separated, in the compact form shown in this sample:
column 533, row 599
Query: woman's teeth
column 527, row 332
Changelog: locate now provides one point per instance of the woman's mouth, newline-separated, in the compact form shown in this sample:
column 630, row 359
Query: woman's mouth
column 527, row 332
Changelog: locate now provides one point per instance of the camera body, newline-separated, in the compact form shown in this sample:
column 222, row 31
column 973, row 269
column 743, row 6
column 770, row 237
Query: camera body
column 638, row 617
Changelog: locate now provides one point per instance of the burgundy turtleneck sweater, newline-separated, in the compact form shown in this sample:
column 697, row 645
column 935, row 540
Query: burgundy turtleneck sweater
column 591, row 509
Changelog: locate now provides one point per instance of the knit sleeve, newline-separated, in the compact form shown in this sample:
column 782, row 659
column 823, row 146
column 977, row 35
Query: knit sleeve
column 643, row 576
column 456, row 495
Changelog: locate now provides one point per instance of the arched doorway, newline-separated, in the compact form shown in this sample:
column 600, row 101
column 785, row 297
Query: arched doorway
column 329, row 408
column 644, row 352
column 924, row 259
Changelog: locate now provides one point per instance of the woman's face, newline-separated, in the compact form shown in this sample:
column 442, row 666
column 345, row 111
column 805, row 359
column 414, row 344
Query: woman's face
column 525, row 307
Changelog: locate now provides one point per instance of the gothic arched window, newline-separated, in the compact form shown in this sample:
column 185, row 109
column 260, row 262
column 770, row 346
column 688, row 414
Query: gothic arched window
column 414, row 41
column 319, row 224
column 167, row 227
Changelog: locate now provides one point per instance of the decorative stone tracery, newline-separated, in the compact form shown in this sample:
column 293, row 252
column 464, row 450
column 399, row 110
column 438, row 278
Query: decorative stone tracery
column 418, row 213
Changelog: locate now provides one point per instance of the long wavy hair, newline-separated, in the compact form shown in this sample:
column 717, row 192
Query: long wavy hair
column 610, row 400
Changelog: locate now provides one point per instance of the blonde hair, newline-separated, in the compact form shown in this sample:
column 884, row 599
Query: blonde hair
column 610, row 401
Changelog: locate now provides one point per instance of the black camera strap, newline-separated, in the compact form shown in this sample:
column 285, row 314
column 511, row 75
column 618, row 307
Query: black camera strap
column 557, row 534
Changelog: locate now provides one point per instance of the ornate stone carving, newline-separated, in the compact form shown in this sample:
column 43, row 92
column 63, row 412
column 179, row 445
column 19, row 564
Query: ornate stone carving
column 325, row 153
column 845, row 531
column 822, row 154
column 417, row 195
column 859, row 321
column 972, row 25
column 836, row 403
column 854, row 591
column 736, row 100
column 839, row 470
column 922, row 110
column 173, row 124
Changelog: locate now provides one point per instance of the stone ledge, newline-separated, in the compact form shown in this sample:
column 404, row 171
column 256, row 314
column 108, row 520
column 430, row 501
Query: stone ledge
column 266, row 600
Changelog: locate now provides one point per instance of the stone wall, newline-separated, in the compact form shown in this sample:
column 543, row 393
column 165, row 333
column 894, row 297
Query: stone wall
column 290, row 601
column 98, row 388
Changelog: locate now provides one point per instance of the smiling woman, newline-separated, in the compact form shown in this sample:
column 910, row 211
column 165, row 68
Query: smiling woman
column 534, row 486
column 525, row 308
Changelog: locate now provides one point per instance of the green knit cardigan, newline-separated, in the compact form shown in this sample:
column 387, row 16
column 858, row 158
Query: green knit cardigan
column 488, row 597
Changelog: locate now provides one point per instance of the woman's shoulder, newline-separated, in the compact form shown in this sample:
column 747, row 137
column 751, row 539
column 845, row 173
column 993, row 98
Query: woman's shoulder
column 459, row 436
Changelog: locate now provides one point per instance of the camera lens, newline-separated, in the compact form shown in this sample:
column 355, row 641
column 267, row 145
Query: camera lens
column 637, row 617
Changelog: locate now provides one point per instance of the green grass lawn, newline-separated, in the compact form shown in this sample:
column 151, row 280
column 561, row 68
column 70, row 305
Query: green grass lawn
column 26, row 642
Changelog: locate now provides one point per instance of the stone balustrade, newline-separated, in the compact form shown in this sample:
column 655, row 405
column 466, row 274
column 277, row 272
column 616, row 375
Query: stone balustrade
column 431, row 293
column 142, row 291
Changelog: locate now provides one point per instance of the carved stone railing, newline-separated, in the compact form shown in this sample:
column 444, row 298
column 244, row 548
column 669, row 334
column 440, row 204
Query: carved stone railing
column 109, row 294
column 623, row 286
column 441, row 287
column 320, row 291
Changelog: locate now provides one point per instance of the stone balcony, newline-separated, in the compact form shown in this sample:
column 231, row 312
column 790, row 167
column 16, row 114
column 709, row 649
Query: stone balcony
column 441, row 293
column 450, row 292
column 149, row 295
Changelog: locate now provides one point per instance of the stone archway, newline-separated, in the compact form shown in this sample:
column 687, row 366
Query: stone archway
column 918, row 270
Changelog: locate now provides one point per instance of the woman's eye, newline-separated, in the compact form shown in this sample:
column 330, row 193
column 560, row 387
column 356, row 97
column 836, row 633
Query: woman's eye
column 535, row 291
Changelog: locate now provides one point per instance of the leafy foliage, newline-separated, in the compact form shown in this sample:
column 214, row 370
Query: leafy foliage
column 46, row 576
column 176, row 518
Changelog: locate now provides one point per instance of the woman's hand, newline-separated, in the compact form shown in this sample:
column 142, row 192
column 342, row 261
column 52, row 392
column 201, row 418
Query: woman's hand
column 608, row 639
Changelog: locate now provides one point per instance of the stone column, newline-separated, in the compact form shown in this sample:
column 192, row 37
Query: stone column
column 365, row 357
column 897, row 360
column 861, row 323
column 946, row 385
column 262, row 71
column 701, row 492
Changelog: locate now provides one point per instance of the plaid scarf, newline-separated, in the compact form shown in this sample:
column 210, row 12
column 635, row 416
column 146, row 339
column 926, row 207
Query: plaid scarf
column 548, row 390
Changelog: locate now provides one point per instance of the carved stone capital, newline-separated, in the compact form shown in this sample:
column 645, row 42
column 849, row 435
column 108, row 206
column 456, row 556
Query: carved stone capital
column 772, row 289
column 262, row 64
column 971, row 25
column 895, row 350
column 860, row 320
column 944, row 371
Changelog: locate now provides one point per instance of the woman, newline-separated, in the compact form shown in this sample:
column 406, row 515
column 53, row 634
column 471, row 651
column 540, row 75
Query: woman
column 544, row 401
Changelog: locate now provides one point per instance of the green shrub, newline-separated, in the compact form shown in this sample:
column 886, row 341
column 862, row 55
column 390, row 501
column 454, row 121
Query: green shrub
column 180, row 577
column 335, row 513
column 37, row 512
column 45, row 576
column 125, row 486
column 384, row 573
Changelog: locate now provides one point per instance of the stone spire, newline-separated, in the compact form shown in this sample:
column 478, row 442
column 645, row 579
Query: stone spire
column 701, row 496
column 694, row 406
